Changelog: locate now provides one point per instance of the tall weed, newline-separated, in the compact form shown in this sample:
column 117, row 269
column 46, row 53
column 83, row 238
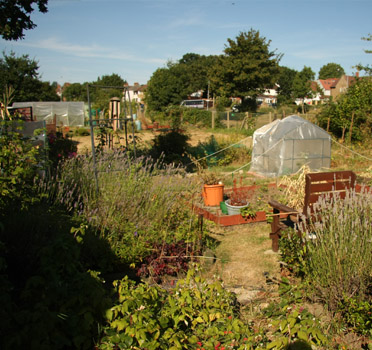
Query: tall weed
column 339, row 247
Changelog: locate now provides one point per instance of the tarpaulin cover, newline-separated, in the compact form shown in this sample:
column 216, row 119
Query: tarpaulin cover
column 67, row 113
column 284, row 146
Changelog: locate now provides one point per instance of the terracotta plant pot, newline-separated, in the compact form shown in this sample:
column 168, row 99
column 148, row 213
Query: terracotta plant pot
column 213, row 195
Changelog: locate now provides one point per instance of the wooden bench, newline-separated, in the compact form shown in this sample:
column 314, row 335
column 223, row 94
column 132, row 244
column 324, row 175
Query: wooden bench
column 316, row 185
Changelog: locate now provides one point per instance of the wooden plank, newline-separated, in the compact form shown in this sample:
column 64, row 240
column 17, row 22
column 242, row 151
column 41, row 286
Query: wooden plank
column 330, row 186
column 331, row 176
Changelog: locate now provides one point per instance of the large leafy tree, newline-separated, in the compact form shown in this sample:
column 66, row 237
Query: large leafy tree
column 21, row 73
column 331, row 70
column 75, row 92
column 15, row 17
column 351, row 114
column 176, row 81
column 301, row 87
column 247, row 67
column 107, row 86
column 285, row 82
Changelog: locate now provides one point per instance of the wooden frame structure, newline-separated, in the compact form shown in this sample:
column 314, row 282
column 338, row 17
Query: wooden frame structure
column 316, row 186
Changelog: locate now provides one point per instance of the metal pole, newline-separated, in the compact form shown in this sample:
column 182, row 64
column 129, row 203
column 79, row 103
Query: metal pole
column 131, row 115
column 92, row 140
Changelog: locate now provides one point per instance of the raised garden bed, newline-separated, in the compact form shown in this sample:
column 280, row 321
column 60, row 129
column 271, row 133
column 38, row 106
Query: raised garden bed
column 258, row 197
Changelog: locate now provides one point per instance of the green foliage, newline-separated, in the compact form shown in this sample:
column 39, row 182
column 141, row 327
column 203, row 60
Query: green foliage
column 75, row 92
column 331, row 70
column 357, row 314
column 174, row 83
column 285, row 82
column 198, row 117
column 246, row 68
column 351, row 112
column 193, row 314
column 138, row 203
column 82, row 132
column 19, row 161
column 103, row 91
column 16, row 19
column 292, row 324
column 301, row 86
column 172, row 146
column 21, row 73
column 293, row 252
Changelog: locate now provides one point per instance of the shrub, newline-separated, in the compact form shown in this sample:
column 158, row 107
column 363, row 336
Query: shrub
column 82, row 132
column 338, row 247
column 195, row 314
column 139, row 202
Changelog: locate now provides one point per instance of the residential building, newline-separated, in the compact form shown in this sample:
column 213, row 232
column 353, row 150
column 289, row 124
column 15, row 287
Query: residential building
column 136, row 92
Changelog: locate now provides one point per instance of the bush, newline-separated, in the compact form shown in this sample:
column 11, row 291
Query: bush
column 339, row 256
column 195, row 314
column 139, row 202
column 82, row 132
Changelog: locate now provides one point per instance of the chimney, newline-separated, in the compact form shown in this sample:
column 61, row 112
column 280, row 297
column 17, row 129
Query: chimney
column 136, row 84
column 357, row 74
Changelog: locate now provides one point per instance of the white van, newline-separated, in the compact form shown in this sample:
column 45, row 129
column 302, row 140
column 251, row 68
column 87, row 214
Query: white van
column 197, row 103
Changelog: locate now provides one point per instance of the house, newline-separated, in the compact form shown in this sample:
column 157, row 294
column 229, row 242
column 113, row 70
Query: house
column 268, row 97
column 136, row 92
column 342, row 85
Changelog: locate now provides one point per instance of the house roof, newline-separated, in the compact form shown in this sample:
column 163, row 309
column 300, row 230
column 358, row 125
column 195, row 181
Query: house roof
column 329, row 83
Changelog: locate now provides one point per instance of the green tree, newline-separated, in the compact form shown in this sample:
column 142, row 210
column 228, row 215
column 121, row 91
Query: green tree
column 175, row 82
column 367, row 68
column 247, row 67
column 15, row 17
column 302, row 84
column 21, row 73
column 285, row 82
column 107, row 86
column 331, row 70
column 351, row 114
column 75, row 92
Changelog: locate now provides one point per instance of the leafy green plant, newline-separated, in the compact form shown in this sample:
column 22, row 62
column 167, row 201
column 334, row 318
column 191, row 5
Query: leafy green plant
column 292, row 323
column 357, row 314
column 293, row 252
column 195, row 314
column 19, row 163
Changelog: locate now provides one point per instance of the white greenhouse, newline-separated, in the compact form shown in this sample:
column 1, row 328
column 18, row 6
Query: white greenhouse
column 284, row 146
column 66, row 113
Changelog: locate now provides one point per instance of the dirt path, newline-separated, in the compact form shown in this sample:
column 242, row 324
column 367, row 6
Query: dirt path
column 244, row 257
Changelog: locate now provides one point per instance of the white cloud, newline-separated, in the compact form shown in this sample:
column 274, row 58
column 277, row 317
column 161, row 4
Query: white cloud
column 98, row 51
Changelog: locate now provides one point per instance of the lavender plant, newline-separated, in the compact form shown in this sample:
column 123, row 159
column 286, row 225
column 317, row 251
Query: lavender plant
column 138, row 202
column 339, row 246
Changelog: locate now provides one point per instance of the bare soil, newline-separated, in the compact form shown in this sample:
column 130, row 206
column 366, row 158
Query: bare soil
column 84, row 143
column 245, row 260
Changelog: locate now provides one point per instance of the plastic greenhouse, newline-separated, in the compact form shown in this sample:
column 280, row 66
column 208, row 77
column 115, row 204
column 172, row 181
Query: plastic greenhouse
column 284, row 146
column 67, row 113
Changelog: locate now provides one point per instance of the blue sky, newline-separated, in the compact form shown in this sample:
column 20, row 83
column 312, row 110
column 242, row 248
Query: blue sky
column 80, row 40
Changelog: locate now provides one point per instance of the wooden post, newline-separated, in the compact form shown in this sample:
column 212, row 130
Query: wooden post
column 228, row 120
column 351, row 125
column 213, row 117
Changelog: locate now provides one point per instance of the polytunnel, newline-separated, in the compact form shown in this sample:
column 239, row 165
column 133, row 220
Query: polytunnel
column 284, row 146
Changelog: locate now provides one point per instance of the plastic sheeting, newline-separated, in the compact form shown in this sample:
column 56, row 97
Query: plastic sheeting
column 67, row 113
column 284, row 146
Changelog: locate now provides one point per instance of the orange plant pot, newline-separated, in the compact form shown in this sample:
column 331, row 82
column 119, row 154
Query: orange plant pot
column 213, row 195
